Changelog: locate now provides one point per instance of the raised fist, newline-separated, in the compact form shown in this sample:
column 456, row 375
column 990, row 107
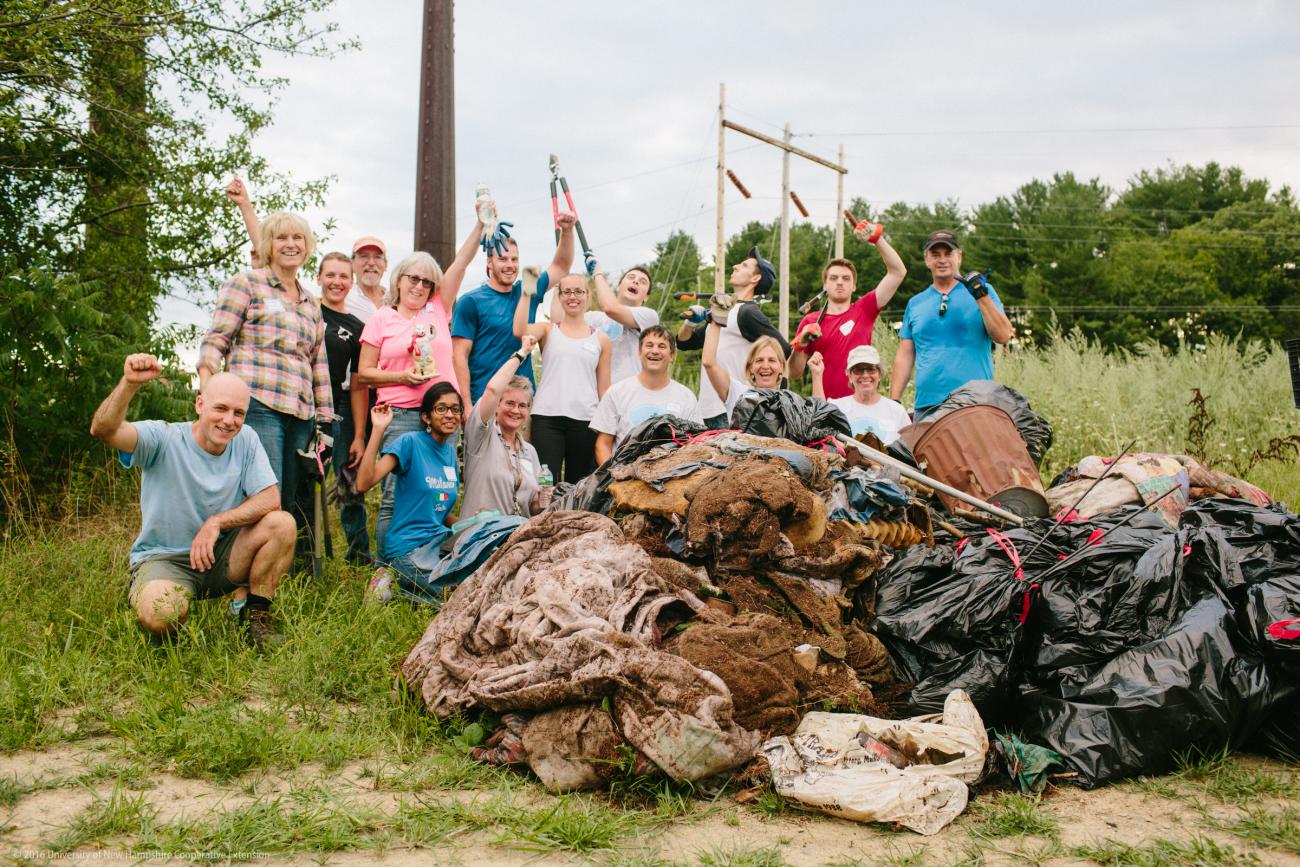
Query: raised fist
column 141, row 368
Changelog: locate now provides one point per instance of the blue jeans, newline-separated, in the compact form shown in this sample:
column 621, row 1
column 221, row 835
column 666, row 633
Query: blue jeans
column 404, row 421
column 415, row 573
column 352, row 510
column 282, row 435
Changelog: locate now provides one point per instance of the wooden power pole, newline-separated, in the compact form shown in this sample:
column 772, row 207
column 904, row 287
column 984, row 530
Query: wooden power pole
column 435, row 181
column 720, row 253
column 783, row 283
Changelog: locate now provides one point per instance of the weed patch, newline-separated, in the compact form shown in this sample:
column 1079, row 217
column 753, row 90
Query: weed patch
column 1197, row 852
column 1014, row 815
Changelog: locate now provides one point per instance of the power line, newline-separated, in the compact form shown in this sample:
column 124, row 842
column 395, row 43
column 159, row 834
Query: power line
column 1046, row 131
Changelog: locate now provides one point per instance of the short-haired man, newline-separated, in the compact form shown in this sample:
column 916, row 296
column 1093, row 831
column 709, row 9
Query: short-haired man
column 844, row 323
column 209, row 505
column 743, row 323
column 482, row 329
column 369, row 262
column 637, row 399
column 623, row 316
column 867, row 410
column 949, row 329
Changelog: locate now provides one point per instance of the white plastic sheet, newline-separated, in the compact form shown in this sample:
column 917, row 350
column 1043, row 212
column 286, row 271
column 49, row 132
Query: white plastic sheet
column 825, row 765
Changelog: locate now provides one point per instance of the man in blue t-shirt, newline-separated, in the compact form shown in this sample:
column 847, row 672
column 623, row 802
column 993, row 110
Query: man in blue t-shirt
column 210, row 517
column 949, row 329
column 483, row 327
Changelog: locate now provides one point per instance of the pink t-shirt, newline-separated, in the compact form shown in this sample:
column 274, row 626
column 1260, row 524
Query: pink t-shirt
column 390, row 332
column 841, row 332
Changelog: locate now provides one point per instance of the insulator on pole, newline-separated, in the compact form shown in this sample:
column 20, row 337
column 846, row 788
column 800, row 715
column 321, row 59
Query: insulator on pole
column 794, row 197
column 735, row 180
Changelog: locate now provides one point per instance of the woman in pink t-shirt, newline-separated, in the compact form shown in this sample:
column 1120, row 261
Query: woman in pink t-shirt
column 386, row 360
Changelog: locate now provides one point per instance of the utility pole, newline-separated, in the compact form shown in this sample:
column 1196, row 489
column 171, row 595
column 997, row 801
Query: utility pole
column 784, row 323
column 720, row 252
column 839, row 209
column 435, row 180
column 784, row 145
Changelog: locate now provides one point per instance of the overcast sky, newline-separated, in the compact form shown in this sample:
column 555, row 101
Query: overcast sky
column 931, row 101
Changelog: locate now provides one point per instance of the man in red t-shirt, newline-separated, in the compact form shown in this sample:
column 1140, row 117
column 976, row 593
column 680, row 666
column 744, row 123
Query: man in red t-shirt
column 844, row 323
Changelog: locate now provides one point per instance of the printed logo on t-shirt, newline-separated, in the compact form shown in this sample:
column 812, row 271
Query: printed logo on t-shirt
column 613, row 330
column 646, row 411
column 846, row 327
column 437, row 484
column 343, row 333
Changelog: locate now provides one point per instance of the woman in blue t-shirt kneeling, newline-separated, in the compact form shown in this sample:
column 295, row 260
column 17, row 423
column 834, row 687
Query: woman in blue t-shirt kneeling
column 423, row 464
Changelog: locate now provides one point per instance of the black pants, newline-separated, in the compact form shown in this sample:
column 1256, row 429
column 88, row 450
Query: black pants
column 565, row 442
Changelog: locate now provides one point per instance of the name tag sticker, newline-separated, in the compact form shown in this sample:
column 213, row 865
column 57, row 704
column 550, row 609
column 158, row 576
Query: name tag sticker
column 593, row 348
column 274, row 305
column 450, row 473
column 846, row 327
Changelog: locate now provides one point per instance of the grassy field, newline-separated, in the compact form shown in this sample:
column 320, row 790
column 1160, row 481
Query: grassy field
column 112, row 746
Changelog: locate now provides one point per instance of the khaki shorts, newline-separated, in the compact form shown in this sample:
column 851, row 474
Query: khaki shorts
column 176, row 569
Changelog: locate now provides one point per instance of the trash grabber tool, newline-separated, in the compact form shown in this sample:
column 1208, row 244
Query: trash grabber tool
column 568, row 199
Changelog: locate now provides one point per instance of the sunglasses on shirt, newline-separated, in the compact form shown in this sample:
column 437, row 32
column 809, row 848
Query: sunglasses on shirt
column 943, row 306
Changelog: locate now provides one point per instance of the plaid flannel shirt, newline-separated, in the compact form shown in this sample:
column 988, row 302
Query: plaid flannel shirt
column 275, row 345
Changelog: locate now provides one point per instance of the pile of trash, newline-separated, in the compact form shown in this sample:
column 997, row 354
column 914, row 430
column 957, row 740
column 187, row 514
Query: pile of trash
column 706, row 599
column 690, row 599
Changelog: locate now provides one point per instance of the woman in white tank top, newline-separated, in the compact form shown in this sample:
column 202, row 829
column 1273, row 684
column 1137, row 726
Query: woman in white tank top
column 575, row 374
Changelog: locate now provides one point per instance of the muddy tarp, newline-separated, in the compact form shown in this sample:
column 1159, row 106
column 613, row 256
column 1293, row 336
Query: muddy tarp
column 1146, row 643
column 568, row 613
column 591, row 494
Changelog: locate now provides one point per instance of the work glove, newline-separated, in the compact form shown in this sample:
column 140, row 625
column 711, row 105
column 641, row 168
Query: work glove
column 719, row 306
column 695, row 315
column 976, row 283
column 865, row 230
column 589, row 260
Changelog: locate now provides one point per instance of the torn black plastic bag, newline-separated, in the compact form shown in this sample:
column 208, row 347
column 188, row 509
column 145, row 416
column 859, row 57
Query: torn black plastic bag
column 783, row 413
column 1036, row 430
column 591, row 494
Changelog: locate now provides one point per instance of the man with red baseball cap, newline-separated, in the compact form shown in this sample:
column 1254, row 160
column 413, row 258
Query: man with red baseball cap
column 369, row 262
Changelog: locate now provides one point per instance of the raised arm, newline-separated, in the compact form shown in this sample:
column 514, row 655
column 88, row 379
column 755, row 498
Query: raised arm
column 605, row 297
column 753, row 324
column 817, row 367
column 524, row 328
column 109, row 424
column 563, row 260
column 496, row 386
column 716, row 373
column 895, row 271
column 371, row 472
column 237, row 192
column 454, row 275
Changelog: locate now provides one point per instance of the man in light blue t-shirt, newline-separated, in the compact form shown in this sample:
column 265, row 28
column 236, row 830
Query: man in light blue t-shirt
column 210, row 517
column 949, row 329
column 483, row 326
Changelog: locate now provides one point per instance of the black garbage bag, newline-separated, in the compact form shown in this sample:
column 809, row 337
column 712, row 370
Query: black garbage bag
column 1036, row 430
column 951, row 617
column 770, row 412
column 1137, row 659
column 591, row 493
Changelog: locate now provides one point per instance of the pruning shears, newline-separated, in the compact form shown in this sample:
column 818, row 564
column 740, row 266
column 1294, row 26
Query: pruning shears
column 557, row 178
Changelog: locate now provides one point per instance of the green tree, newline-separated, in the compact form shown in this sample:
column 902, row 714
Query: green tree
column 111, row 193
column 1170, row 198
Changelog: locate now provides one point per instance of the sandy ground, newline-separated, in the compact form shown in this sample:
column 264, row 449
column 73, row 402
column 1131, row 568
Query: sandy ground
column 1124, row 812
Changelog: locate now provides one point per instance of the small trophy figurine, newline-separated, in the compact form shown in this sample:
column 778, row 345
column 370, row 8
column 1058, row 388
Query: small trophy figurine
column 422, row 351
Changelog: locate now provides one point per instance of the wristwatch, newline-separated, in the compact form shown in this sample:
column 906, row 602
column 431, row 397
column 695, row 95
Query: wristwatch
column 521, row 356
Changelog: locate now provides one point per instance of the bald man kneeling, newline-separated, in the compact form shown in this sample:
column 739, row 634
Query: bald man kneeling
column 209, row 504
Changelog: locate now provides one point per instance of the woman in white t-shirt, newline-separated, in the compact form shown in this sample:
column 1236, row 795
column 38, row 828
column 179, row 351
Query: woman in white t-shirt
column 866, row 408
column 575, row 375
column 764, row 367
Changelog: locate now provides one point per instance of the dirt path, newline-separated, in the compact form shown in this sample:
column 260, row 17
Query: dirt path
column 48, row 792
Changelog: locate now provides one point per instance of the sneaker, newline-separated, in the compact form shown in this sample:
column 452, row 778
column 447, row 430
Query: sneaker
column 380, row 590
column 236, row 609
column 260, row 629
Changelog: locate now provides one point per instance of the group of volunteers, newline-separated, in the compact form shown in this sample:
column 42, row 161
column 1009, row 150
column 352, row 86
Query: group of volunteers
column 428, row 392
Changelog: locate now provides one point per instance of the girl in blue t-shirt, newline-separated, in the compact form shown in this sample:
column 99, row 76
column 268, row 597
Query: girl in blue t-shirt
column 423, row 464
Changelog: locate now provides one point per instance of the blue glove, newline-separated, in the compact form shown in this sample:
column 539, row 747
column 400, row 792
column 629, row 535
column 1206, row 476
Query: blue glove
column 695, row 314
column 589, row 259
column 496, row 242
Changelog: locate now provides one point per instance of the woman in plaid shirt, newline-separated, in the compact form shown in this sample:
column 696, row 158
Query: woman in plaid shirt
column 269, row 331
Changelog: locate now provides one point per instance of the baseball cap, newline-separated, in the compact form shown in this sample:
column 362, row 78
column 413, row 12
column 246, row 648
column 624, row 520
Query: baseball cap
column 368, row 241
column 862, row 355
column 948, row 239
column 767, row 273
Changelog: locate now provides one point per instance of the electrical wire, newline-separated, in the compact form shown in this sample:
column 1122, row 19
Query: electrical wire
column 947, row 133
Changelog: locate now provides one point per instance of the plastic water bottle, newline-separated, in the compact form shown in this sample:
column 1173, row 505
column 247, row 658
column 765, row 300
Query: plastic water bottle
column 545, row 478
column 484, row 206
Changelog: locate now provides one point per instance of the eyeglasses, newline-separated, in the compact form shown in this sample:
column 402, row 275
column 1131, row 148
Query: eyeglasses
column 423, row 281
column 373, row 257
column 943, row 305
column 446, row 409
column 572, row 293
